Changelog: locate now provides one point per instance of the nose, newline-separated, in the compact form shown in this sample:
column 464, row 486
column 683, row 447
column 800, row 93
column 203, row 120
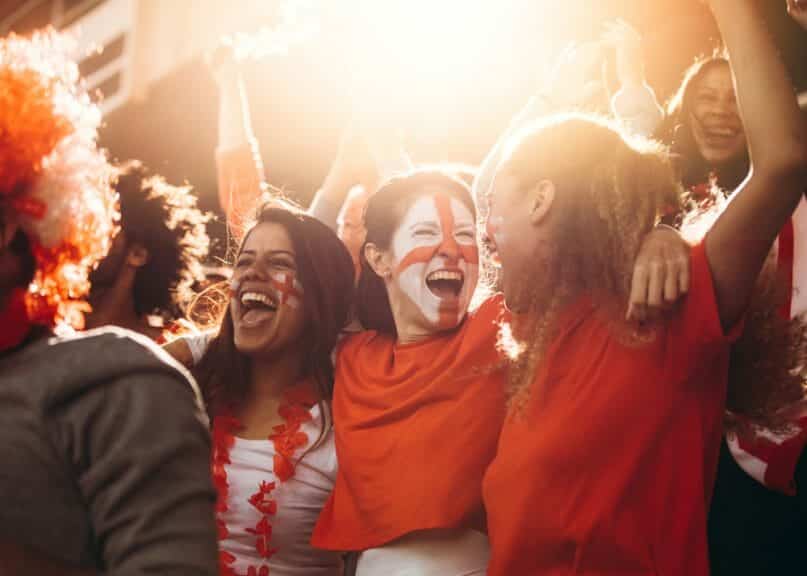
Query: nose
column 449, row 248
column 255, row 271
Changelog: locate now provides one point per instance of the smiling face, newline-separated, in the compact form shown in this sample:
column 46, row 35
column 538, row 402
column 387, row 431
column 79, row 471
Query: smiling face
column 434, row 264
column 714, row 117
column 267, row 299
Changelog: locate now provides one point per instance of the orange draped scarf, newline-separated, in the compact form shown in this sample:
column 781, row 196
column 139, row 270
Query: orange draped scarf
column 416, row 426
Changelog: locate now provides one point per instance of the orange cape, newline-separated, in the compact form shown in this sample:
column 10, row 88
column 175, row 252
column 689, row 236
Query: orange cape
column 416, row 426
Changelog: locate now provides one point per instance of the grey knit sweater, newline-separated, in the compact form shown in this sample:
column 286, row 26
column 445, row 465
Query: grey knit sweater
column 104, row 457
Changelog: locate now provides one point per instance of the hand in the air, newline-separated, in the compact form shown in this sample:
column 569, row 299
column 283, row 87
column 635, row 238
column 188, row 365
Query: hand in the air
column 798, row 11
column 628, row 44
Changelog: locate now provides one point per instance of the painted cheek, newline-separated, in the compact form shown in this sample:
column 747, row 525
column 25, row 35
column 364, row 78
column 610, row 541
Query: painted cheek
column 412, row 283
column 288, row 289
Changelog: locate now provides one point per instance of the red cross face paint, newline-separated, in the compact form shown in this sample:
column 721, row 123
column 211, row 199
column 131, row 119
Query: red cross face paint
column 436, row 260
column 262, row 302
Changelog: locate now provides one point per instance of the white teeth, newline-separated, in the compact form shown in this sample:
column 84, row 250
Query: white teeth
column 445, row 275
column 256, row 297
column 727, row 132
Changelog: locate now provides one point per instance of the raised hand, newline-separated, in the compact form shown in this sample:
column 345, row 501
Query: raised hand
column 628, row 44
column 223, row 65
column 354, row 159
column 575, row 79
column 798, row 11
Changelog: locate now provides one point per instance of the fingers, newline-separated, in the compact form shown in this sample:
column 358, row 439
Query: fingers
column 660, row 279
column 655, row 284
column 683, row 274
column 637, row 303
column 671, row 284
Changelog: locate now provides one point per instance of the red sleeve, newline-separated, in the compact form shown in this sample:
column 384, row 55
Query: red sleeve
column 695, row 331
column 699, row 318
column 240, row 181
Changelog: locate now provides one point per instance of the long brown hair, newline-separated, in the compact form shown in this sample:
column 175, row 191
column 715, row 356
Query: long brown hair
column 611, row 190
column 325, row 270
column 382, row 216
column 676, row 132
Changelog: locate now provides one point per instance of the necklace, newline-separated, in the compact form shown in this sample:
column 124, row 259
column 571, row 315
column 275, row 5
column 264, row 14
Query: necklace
column 286, row 438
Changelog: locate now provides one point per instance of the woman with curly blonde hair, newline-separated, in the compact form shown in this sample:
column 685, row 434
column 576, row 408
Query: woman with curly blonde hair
column 607, row 458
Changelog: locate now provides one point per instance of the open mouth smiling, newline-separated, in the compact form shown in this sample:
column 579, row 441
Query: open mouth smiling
column 256, row 306
column 445, row 284
column 720, row 135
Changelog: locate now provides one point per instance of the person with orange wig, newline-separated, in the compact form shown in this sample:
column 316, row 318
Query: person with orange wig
column 105, row 451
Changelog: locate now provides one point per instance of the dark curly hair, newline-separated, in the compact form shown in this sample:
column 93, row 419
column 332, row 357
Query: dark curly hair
column 164, row 220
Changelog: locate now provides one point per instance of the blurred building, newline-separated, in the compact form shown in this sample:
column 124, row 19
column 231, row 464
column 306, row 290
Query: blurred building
column 129, row 45
column 160, row 102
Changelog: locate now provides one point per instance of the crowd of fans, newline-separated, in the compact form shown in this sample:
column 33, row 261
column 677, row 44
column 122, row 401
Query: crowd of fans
column 586, row 355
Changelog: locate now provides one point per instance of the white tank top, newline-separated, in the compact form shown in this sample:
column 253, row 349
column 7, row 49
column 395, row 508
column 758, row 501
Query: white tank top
column 299, row 501
column 428, row 553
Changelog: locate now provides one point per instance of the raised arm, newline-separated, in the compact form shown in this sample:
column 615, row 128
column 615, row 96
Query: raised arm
column 238, row 161
column 569, row 88
column 634, row 103
column 352, row 166
column 364, row 158
column 738, row 243
column 798, row 11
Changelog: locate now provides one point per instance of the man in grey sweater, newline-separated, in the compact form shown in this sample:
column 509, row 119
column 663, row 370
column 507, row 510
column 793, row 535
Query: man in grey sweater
column 104, row 447
column 104, row 458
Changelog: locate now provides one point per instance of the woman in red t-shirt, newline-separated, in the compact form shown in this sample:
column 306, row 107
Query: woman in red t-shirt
column 608, row 453
column 419, row 395
column 418, row 399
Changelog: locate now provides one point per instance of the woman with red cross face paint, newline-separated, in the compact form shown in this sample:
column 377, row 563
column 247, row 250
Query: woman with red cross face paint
column 419, row 395
column 267, row 379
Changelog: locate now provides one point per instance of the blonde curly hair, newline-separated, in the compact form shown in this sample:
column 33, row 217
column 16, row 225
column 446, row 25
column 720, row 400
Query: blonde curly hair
column 611, row 191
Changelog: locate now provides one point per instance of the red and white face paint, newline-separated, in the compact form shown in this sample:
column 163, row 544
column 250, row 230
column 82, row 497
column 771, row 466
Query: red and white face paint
column 266, row 303
column 288, row 288
column 282, row 289
column 436, row 259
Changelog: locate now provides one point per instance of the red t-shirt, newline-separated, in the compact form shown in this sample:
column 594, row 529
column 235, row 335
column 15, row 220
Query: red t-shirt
column 610, row 467
column 416, row 426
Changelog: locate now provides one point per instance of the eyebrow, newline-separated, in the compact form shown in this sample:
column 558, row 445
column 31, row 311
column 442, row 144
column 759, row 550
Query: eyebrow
column 430, row 223
column 268, row 253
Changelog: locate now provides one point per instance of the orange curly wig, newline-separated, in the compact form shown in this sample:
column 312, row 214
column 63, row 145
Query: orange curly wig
column 55, row 183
